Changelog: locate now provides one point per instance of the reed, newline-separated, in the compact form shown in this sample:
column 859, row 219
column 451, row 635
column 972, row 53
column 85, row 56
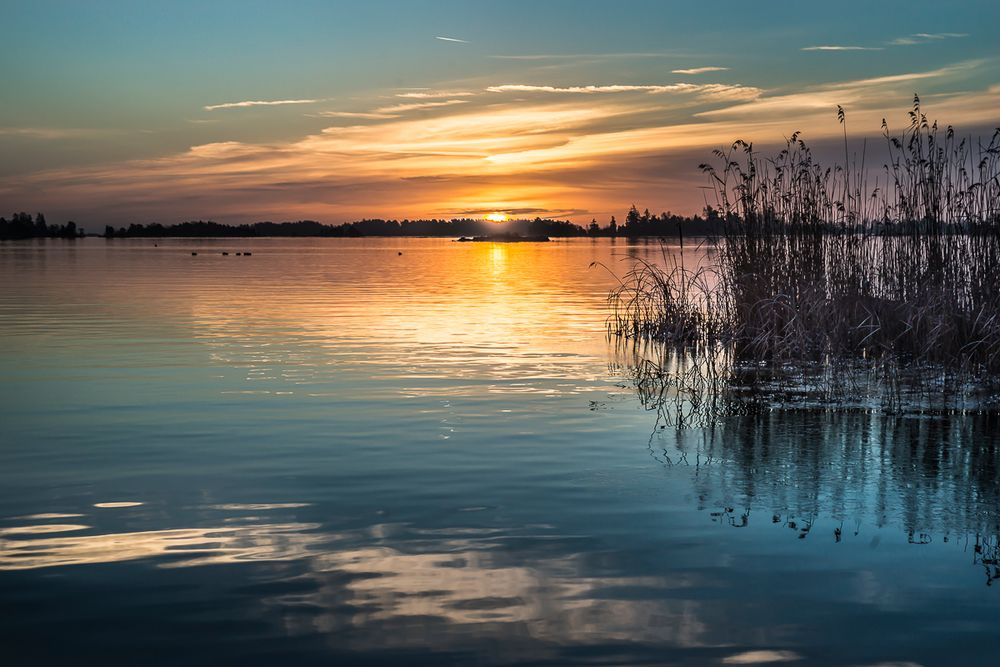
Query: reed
column 837, row 278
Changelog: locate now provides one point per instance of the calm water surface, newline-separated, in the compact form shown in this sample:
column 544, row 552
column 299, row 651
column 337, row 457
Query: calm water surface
column 332, row 453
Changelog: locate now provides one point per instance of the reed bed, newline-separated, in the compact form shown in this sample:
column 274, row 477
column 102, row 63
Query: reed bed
column 830, row 281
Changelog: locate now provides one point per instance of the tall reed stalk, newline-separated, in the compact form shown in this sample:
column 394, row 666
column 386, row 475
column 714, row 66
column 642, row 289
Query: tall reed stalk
column 835, row 276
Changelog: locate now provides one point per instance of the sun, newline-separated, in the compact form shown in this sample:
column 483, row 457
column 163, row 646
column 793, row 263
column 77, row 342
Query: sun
column 497, row 216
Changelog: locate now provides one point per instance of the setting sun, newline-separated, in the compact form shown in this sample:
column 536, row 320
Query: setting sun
column 497, row 217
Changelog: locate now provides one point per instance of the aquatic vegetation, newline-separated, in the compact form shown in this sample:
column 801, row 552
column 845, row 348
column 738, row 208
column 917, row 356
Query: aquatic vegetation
column 839, row 285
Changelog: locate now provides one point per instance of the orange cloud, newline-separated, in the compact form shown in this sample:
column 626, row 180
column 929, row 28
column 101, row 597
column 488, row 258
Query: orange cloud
column 581, row 151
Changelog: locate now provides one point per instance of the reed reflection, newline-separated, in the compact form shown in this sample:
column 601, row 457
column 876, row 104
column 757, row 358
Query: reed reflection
column 934, row 476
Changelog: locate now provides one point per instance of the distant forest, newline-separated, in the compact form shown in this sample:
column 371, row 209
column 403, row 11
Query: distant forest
column 22, row 225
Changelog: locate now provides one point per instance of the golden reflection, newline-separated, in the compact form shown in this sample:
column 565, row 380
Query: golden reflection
column 764, row 657
column 42, row 528
column 228, row 544
column 494, row 311
column 498, row 260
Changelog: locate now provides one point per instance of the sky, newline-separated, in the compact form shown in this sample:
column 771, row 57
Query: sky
column 118, row 112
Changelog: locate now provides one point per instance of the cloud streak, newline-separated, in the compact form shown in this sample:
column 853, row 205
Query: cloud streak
column 416, row 106
column 837, row 47
column 699, row 70
column 925, row 37
column 453, row 39
column 712, row 89
column 909, row 40
column 354, row 114
column 870, row 92
column 256, row 103
column 54, row 133
column 432, row 94
column 586, row 56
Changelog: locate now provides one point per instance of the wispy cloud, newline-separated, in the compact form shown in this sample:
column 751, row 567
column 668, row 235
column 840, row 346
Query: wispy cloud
column 354, row 114
column 53, row 133
column 924, row 37
column 859, row 94
column 508, row 211
column 909, row 40
column 699, row 70
column 400, row 108
column 525, row 88
column 391, row 111
column 712, row 89
column 432, row 94
column 940, row 72
column 256, row 103
column 586, row 56
column 837, row 47
column 453, row 39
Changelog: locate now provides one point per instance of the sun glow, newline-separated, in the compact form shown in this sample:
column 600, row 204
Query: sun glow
column 497, row 217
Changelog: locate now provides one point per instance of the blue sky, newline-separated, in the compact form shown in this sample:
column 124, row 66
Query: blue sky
column 568, row 108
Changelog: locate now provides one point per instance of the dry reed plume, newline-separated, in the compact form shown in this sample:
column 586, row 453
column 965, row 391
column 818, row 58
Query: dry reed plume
column 836, row 283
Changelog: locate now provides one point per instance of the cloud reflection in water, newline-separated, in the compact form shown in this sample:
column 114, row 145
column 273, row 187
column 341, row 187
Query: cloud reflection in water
column 460, row 578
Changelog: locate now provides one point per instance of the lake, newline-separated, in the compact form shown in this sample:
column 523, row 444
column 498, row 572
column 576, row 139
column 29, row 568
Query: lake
column 414, row 451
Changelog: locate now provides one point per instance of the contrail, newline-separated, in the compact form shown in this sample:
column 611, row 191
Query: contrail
column 453, row 39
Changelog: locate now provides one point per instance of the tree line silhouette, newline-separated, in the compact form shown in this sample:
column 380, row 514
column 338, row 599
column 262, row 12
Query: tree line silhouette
column 207, row 228
column 635, row 224
column 23, row 226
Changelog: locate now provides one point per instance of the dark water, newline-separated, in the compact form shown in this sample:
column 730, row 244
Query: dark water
column 330, row 453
